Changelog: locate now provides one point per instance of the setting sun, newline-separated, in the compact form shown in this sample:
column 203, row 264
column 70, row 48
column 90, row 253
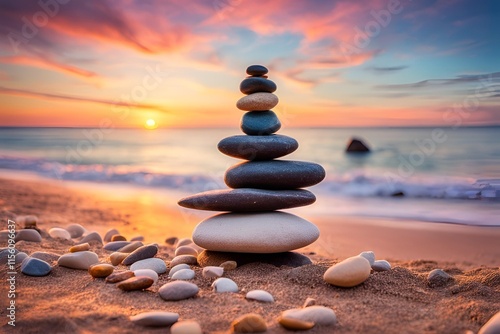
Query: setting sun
column 150, row 124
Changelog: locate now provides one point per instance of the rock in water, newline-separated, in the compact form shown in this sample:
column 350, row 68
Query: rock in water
column 319, row 315
column 357, row 146
column 290, row 259
column 256, row 70
column 256, row 85
column 79, row 260
column 257, row 147
column 249, row 323
column 348, row 273
column 260, row 295
column 35, row 267
column 274, row 174
column 155, row 319
column 135, row 283
column 257, row 102
column 260, row 123
column 248, row 200
column 492, row 326
column 186, row 327
column 141, row 253
column 178, row 290
column 267, row 232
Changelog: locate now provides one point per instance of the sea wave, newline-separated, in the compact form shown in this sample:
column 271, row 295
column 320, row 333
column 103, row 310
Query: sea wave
column 354, row 184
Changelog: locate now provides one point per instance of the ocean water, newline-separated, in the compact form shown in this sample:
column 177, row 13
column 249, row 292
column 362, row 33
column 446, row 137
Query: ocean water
column 430, row 174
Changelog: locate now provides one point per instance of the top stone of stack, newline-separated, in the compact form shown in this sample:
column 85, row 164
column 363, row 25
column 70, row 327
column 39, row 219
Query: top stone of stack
column 256, row 70
column 260, row 97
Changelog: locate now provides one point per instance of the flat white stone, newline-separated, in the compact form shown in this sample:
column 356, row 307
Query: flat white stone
column 79, row 260
column 177, row 268
column 148, row 273
column 260, row 295
column 59, row 233
column 153, row 263
column 184, row 274
column 369, row 255
column 269, row 232
column 212, row 272
column 155, row 318
column 225, row 285
column 320, row 315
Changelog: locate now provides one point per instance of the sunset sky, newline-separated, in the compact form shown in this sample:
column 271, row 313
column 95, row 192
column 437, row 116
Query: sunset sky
column 336, row 63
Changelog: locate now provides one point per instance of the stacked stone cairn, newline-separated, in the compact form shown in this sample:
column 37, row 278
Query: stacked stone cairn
column 253, row 230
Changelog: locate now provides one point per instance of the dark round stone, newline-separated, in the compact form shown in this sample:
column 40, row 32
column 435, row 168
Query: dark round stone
column 256, row 70
column 357, row 146
column 274, row 174
column 257, row 147
column 290, row 259
column 260, row 123
column 257, row 85
column 248, row 200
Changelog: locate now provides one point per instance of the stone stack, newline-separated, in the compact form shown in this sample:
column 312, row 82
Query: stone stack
column 253, row 230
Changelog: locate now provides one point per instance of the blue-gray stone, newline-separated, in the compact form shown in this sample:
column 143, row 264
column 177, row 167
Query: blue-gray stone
column 274, row 174
column 248, row 200
column 115, row 245
column 260, row 123
column 256, row 85
column 35, row 267
column 256, row 70
column 257, row 147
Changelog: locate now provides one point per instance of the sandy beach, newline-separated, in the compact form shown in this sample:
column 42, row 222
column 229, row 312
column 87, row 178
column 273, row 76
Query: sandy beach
column 397, row 301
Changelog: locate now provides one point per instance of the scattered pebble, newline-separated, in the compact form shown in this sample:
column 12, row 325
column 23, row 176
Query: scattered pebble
column 260, row 295
column 135, row 283
column 186, row 250
column 132, row 246
column 28, row 235
column 141, row 253
column 119, row 276
column 80, row 248
column 212, row 272
column 91, row 237
column 348, row 273
column 116, row 258
column 309, row 302
column 115, row 245
column 75, row 230
column 492, row 326
column 295, row 324
column 35, row 267
column 101, row 270
column 186, row 327
column 187, row 259
column 171, row 241
column 137, row 238
column 30, row 221
column 229, row 265
column 369, row 255
column 249, row 323
column 438, row 277
column 109, row 234
column 59, row 233
column 20, row 257
column 178, row 290
column 80, row 260
column 224, row 285
column 319, row 315
column 46, row 256
column 183, row 242
column 177, row 268
column 153, row 263
column 184, row 274
column 381, row 265
column 148, row 273
column 155, row 319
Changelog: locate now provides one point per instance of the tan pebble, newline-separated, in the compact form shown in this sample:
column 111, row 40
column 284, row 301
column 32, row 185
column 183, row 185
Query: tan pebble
column 101, row 270
column 80, row 248
column 171, row 241
column 186, row 250
column 229, row 265
column 187, row 259
column 249, row 323
column 136, row 283
column 295, row 324
column 117, row 257
column 309, row 302
column 186, row 327
column 30, row 221
column 118, row 237
column 183, row 242
column 348, row 273
column 257, row 101
column 131, row 247
column 119, row 276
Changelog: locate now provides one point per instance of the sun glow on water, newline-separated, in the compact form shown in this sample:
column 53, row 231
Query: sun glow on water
column 150, row 124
